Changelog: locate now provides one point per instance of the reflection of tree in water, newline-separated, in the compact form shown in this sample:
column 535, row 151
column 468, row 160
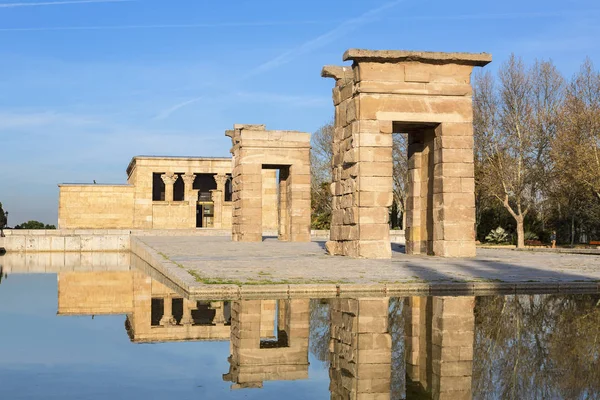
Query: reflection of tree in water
column 396, row 328
column 537, row 347
column 319, row 330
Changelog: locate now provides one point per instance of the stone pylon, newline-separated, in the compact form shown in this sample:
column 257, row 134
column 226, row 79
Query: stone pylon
column 427, row 96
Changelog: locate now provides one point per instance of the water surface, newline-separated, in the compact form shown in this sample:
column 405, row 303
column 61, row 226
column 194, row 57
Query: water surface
column 115, row 333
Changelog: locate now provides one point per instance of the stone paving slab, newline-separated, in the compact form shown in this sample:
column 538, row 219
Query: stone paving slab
column 212, row 265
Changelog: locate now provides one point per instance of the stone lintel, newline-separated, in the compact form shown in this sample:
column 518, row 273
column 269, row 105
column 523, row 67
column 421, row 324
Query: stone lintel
column 427, row 57
column 252, row 127
column 259, row 136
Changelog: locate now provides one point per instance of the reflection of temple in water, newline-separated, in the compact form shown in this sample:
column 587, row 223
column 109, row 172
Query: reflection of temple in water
column 154, row 312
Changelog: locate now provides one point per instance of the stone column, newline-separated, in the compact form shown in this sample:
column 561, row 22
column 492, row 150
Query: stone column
column 284, row 220
column 454, row 191
column 298, row 203
column 191, row 196
column 219, row 308
column 413, row 202
column 167, row 318
column 218, row 197
column 187, row 318
column 188, row 180
column 247, row 203
column 420, row 211
column 169, row 179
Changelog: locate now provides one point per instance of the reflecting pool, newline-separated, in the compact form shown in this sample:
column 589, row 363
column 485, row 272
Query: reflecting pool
column 111, row 331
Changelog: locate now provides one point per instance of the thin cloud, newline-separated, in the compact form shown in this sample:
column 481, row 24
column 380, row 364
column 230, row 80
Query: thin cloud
column 60, row 3
column 305, row 48
column 168, row 111
column 164, row 26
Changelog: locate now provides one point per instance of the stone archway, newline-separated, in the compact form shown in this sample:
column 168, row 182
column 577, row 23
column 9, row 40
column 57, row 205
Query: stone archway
column 428, row 96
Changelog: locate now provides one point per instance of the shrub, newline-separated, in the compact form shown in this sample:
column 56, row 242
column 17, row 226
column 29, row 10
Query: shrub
column 497, row 236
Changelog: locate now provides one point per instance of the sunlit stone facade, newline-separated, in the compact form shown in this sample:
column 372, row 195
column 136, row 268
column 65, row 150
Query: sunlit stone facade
column 162, row 193
column 427, row 96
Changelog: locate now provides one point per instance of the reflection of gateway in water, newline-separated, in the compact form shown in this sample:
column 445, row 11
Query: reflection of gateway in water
column 439, row 333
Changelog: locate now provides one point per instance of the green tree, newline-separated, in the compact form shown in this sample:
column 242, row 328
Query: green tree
column 3, row 220
column 34, row 225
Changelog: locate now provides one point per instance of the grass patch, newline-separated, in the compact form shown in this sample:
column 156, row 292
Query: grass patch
column 253, row 282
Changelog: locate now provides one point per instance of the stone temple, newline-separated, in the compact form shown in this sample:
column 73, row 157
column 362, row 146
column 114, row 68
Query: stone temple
column 162, row 193
column 266, row 184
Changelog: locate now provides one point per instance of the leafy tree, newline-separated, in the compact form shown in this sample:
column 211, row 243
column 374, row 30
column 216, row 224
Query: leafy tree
column 3, row 220
column 34, row 225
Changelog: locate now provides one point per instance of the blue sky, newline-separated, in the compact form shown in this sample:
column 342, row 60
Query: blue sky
column 85, row 85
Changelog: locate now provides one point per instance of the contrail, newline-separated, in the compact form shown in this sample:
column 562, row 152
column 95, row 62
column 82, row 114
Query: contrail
column 305, row 48
column 498, row 16
column 164, row 26
column 60, row 3
column 324, row 39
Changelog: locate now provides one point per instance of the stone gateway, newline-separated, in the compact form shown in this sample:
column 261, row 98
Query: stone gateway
column 426, row 95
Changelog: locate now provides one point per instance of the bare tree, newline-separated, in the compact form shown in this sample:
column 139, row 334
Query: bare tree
column 400, row 176
column 320, row 159
column 513, row 127
column 577, row 148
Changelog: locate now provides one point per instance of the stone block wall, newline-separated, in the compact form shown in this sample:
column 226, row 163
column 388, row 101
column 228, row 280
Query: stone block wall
column 95, row 206
column 173, row 215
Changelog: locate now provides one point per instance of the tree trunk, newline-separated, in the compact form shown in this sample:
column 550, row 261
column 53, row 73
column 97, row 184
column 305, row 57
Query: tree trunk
column 394, row 216
column 572, row 230
column 520, row 231
column 519, row 219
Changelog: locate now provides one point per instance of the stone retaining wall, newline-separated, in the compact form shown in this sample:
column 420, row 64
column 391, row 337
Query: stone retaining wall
column 87, row 240
column 108, row 240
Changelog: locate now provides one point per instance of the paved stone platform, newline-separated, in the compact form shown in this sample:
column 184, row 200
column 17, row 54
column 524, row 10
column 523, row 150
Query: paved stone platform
column 214, row 263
